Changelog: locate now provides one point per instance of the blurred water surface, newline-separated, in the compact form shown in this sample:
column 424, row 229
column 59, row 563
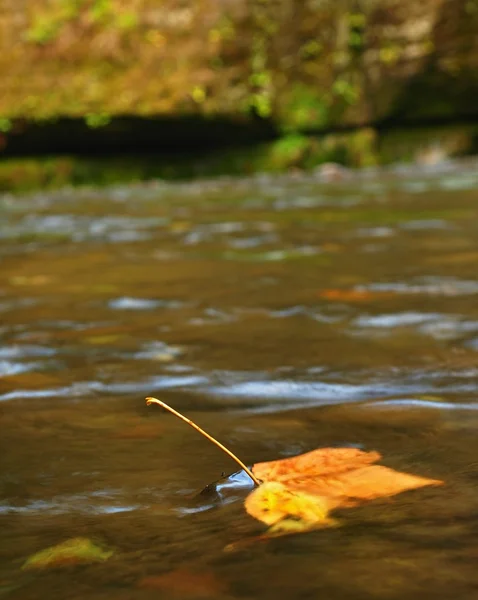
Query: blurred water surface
column 282, row 314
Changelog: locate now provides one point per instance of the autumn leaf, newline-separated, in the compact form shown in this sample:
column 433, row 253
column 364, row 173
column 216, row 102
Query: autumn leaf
column 353, row 295
column 71, row 552
column 321, row 462
column 298, row 493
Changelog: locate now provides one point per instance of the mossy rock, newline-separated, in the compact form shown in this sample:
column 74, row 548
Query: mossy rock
column 305, row 65
column 74, row 551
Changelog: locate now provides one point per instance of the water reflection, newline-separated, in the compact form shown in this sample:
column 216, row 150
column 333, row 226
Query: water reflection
column 87, row 503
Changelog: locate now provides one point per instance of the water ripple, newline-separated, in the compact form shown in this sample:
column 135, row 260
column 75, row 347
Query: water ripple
column 88, row 388
column 420, row 403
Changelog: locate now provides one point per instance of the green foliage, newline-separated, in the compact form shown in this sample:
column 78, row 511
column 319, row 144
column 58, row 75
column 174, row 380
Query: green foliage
column 100, row 11
column 362, row 148
column 357, row 23
column 346, row 90
column 96, row 120
column 127, row 21
column 260, row 96
column 390, row 54
column 305, row 108
column 261, row 76
column 5, row 125
column 357, row 149
column 43, row 30
column 46, row 26
column 260, row 103
column 310, row 50
column 25, row 174
column 223, row 31
column 198, row 94
column 104, row 13
column 301, row 64
column 289, row 151
column 471, row 7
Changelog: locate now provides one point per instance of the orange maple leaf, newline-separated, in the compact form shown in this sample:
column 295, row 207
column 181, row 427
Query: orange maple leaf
column 323, row 479
column 353, row 295
column 296, row 494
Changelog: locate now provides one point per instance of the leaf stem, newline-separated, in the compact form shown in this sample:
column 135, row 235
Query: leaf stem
column 151, row 400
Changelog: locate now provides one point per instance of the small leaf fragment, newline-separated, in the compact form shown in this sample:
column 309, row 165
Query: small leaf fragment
column 354, row 295
column 71, row 552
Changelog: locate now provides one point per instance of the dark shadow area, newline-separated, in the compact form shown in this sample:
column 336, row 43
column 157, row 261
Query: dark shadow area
column 442, row 94
column 133, row 135
column 182, row 136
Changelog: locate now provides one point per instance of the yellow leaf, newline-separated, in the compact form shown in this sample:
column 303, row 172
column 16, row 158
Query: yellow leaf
column 71, row 552
column 273, row 501
column 290, row 525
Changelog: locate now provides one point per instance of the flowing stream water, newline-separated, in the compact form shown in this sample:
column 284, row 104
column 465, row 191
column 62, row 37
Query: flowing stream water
column 281, row 313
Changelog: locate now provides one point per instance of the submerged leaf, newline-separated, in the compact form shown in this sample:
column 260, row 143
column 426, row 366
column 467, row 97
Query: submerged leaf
column 354, row 295
column 73, row 551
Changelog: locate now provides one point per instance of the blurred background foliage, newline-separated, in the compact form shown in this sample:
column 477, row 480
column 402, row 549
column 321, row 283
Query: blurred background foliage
column 305, row 82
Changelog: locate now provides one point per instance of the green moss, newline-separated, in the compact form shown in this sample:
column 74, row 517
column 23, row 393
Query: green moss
column 390, row 54
column 305, row 108
column 426, row 144
column 43, row 30
column 288, row 151
column 25, row 174
column 126, row 21
column 360, row 148
column 471, row 8
column 363, row 148
column 311, row 50
column 101, row 11
column 5, row 125
column 260, row 81
column 357, row 149
column 346, row 90
column 95, row 120
column 356, row 25
column 224, row 30
column 46, row 25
